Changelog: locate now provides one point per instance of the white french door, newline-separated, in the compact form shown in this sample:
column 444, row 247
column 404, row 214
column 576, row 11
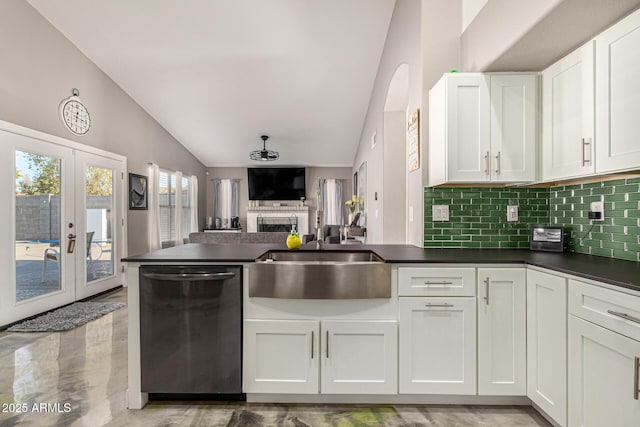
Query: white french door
column 53, row 193
column 99, row 225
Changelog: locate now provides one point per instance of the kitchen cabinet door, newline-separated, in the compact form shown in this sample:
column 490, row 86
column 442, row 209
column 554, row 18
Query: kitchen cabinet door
column 603, row 376
column 618, row 96
column 281, row 356
column 547, row 343
column 513, row 127
column 459, row 129
column 502, row 332
column 437, row 351
column 568, row 111
column 468, row 127
column 359, row 357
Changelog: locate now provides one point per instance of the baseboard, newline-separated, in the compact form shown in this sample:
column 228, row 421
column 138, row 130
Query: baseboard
column 406, row 399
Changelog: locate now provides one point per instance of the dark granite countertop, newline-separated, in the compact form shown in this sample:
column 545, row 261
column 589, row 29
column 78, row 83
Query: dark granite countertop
column 608, row 270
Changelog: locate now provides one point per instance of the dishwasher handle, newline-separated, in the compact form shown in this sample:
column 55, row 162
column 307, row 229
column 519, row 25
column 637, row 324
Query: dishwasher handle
column 189, row 277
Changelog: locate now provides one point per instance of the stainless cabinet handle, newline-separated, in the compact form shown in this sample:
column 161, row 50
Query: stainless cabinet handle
column 486, row 290
column 327, row 344
column 585, row 142
column 438, row 305
column 438, row 283
column 486, row 164
column 498, row 163
column 312, row 340
column 624, row 316
column 189, row 277
column 636, row 380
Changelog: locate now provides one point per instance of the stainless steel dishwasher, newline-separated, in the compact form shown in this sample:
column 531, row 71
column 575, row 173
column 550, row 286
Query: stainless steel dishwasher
column 191, row 329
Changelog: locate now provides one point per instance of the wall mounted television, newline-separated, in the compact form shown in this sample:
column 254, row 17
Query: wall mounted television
column 276, row 183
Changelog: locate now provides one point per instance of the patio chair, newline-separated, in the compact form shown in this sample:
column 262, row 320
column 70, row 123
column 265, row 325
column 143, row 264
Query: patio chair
column 53, row 254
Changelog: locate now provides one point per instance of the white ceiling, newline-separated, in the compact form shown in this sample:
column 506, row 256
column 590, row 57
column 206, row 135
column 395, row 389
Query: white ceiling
column 217, row 74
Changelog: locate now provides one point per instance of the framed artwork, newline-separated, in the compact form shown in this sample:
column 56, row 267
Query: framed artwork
column 138, row 185
column 413, row 141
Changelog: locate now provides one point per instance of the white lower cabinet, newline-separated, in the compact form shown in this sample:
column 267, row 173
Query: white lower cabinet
column 359, row 357
column 547, row 343
column 502, row 332
column 603, row 376
column 437, row 345
column 281, row 356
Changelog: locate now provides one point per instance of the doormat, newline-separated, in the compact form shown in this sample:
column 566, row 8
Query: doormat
column 66, row 318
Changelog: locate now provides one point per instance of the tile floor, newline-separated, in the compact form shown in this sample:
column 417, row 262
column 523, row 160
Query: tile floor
column 85, row 368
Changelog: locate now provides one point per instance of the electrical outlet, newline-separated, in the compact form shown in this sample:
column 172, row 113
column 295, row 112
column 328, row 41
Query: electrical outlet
column 598, row 207
column 512, row 213
column 440, row 212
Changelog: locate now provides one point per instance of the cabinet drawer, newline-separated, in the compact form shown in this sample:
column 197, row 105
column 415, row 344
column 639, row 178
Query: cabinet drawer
column 613, row 310
column 435, row 281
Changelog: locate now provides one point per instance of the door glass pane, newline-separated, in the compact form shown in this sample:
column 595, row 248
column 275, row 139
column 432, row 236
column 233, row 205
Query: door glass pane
column 37, row 240
column 99, row 222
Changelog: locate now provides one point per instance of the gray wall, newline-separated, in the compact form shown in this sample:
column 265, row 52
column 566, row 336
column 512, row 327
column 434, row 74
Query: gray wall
column 311, row 176
column 39, row 69
column 524, row 35
column 394, row 226
column 402, row 46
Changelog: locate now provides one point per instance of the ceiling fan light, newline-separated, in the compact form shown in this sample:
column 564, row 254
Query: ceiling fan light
column 264, row 155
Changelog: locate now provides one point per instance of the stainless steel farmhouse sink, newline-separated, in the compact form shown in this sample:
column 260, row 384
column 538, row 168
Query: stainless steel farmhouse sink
column 320, row 275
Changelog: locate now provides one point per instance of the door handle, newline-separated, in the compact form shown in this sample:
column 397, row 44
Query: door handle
column 486, row 164
column 498, row 163
column 189, row 277
column 327, row 343
column 312, row 339
column 71, row 244
column 446, row 305
column 486, row 290
column 428, row 282
column 585, row 142
column 636, row 379
column 624, row 316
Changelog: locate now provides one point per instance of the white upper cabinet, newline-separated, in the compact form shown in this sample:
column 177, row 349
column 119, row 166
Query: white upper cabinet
column 513, row 128
column 482, row 128
column 467, row 127
column 568, row 116
column 618, row 96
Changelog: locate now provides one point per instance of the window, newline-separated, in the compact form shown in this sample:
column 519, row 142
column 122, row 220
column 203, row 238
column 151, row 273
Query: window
column 169, row 189
column 167, row 201
column 186, row 208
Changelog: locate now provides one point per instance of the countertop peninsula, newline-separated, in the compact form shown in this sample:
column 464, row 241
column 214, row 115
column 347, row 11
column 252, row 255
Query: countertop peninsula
column 608, row 270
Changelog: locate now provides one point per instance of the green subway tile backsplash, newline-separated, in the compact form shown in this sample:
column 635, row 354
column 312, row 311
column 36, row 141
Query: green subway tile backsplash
column 478, row 217
column 617, row 235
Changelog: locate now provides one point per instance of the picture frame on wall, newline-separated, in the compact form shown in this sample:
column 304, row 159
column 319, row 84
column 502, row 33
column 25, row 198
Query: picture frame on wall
column 413, row 141
column 138, row 188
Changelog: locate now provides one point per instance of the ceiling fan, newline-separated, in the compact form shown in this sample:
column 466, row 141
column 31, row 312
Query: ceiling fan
column 264, row 155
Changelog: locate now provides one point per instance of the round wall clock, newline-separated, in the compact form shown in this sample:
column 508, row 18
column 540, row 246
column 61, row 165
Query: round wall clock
column 75, row 115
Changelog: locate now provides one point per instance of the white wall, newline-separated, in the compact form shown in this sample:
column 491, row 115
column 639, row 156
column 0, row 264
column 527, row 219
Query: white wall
column 394, row 227
column 470, row 9
column 311, row 177
column 39, row 67
column 402, row 46
column 497, row 27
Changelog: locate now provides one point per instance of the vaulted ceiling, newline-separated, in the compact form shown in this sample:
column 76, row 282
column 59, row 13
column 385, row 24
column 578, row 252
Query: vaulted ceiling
column 217, row 74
